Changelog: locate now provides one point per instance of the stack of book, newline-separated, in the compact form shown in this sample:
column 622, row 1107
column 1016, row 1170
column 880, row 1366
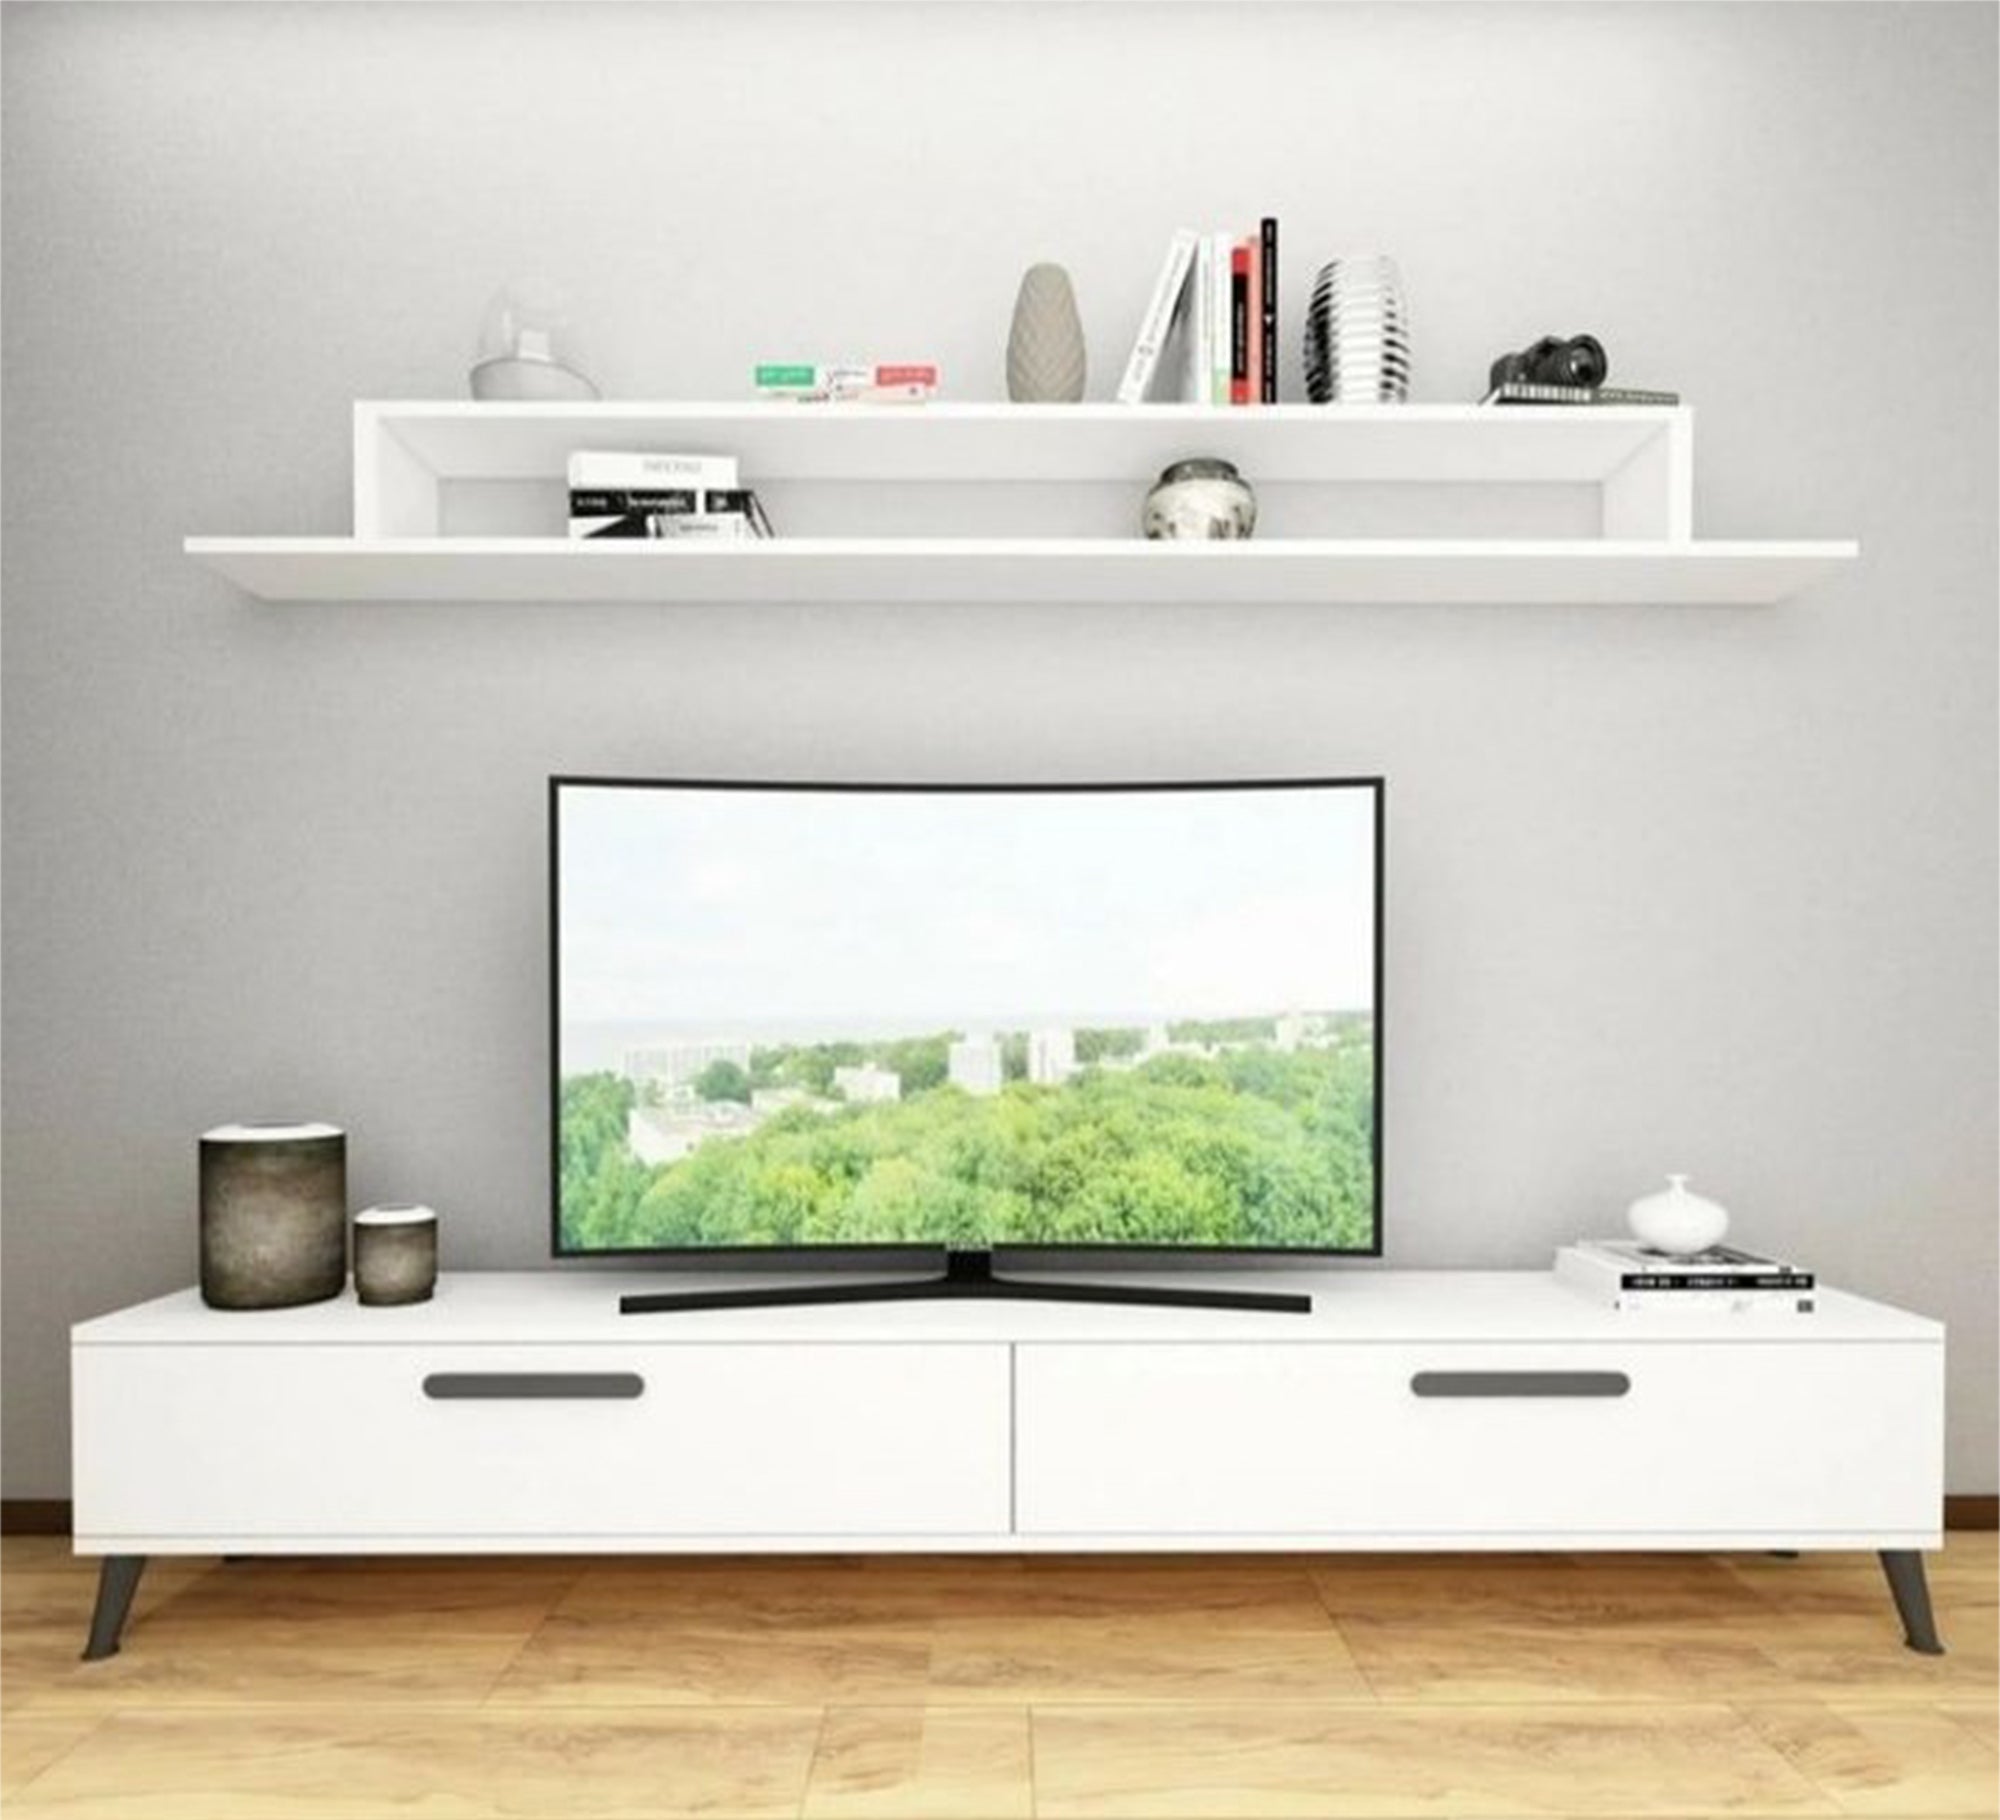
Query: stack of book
column 1217, row 297
column 848, row 382
column 1622, row 1273
column 621, row 494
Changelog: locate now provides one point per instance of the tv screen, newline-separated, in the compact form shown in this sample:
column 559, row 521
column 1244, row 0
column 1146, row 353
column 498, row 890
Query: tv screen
column 798, row 1016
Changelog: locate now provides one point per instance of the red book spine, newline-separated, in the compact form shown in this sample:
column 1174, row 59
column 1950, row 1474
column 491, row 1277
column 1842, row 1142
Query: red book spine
column 1239, row 323
column 921, row 374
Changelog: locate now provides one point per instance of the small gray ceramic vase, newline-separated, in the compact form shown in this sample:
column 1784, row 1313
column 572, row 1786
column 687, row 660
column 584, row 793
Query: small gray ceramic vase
column 1201, row 500
column 1045, row 354
column 395, row 1255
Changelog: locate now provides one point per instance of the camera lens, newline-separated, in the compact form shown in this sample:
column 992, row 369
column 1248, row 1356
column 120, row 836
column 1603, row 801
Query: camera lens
column 1579, row 361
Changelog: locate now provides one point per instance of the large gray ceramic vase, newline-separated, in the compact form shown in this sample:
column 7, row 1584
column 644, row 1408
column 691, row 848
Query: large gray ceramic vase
column 273, row 1215
column 1045, row 354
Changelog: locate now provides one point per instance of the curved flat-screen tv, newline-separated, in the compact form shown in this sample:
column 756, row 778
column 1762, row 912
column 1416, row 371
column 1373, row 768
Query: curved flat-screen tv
column 805, row 1017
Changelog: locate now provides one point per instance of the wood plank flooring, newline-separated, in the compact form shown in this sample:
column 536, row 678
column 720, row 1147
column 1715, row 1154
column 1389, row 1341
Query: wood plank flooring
column 1520, row 1687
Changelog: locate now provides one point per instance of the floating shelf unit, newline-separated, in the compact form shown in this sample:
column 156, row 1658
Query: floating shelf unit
column 412, row 459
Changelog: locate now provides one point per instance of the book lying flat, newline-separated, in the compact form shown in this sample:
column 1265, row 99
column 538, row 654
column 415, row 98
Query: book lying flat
column 1717, row 1264
column 1618, row 1275
column 849, row 382
column 621, row 470
column 709, row 512
column 1520, row 391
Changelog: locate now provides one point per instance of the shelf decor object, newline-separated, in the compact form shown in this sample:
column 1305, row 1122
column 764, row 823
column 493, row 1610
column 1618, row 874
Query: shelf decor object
column 395, row 1254
column 1201, row 499
column 273, row 1215
column 529, row 349
column 1358, row 333
column 1677, row 1222
column 1046, row 362
column 457, row 501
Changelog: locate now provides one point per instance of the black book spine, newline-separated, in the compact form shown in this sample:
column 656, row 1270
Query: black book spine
column 1267, row 251
column 1239, row 333
column 603, row 502
column 1789, row 1280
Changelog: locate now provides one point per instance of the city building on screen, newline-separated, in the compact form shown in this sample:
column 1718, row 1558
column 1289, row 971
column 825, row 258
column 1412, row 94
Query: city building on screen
column 868, row 1084
column 975, row 1064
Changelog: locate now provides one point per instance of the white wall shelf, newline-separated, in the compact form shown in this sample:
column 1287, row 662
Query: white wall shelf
column 433, row 481
column 839, row 571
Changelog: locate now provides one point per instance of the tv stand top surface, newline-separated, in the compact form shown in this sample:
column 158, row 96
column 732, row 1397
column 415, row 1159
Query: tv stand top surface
column 1357, row 1303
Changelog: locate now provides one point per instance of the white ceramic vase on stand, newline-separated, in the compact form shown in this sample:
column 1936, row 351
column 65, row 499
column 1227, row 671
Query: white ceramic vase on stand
column 1677, row 1222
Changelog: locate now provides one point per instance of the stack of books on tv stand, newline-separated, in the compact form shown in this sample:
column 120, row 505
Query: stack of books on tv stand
column 1625, row 1274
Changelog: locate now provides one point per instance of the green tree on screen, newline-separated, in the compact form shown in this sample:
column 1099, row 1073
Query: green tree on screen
column 723, row 1080
column 1252, row 1146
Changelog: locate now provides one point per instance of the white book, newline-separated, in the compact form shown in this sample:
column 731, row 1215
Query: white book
column 610, row 470
column 1221, row 326
column 1601, row 1280
column 1205, row 323
column 1156, row 326
column 712, row 527
column 1195, row 347
column 1711, row 1265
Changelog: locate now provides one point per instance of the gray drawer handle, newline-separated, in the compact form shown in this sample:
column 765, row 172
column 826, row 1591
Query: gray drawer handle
column 1520, row 1383
column 456, row 1386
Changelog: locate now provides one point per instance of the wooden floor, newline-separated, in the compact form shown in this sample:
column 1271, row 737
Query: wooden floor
column 985, row 1689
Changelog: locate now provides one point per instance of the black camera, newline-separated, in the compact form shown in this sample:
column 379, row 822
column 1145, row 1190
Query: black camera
column 1575, row 360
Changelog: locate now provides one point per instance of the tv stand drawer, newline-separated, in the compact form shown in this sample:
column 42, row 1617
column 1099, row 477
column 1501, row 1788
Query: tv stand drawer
column 1528, row 1439
column 473, row 1441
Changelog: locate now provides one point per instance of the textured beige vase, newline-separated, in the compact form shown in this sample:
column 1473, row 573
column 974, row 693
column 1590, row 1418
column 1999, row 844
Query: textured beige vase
column 1045, row 357
column 273, row 1215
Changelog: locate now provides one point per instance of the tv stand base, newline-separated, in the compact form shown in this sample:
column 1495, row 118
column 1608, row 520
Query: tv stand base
column 968, row 1276
column 1410, row 1411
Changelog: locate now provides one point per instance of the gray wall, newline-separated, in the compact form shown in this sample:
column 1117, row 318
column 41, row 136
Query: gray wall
column 1703, row 890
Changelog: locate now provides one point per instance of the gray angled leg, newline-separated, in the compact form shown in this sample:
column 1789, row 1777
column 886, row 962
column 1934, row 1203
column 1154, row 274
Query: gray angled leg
column 1905, row 1569
column 117, row 1581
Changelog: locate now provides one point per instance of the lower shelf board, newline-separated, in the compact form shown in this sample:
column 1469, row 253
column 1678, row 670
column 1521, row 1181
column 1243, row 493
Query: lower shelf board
column 973, row 570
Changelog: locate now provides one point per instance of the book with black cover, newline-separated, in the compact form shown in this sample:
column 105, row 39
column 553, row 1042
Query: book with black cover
column 1621, row 1275
column 1239, row 324
column 1720, row 1267
column 1521, row 391
column 626, row 511
column 1267, row 250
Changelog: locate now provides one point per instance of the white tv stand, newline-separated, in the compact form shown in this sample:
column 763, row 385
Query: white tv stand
column 1410, row 1410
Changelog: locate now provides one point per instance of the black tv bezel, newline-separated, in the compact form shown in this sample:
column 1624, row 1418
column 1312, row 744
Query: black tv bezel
column 819, row 1255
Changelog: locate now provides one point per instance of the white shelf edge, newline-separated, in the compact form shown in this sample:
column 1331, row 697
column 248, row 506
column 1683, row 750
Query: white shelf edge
column 999, row 411
column 836, row 571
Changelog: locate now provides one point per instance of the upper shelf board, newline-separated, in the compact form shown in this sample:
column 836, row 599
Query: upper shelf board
column 460, row 440
column 835, row 571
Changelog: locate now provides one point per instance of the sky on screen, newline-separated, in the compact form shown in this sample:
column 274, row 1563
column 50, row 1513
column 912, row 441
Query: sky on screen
column 724, row 908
